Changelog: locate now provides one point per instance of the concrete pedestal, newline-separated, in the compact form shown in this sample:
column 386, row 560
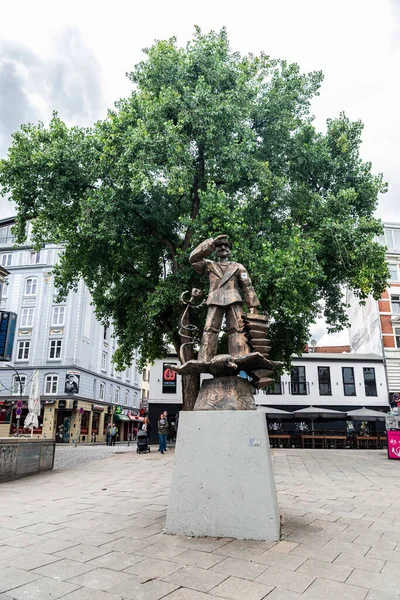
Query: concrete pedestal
column 223, row 483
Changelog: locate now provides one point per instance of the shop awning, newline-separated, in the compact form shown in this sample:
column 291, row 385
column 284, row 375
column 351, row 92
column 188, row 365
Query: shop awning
column 121, row 417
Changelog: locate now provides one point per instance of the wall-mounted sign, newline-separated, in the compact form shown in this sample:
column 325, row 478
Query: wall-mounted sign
column 72, row 381
column 8, row 322
column 169, row 379
column 118, row 410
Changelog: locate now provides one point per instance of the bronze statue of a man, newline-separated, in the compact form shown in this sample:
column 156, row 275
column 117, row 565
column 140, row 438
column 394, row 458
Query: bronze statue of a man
column 226, row 279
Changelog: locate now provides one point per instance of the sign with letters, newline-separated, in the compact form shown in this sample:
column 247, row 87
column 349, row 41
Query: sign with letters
column 169, row 379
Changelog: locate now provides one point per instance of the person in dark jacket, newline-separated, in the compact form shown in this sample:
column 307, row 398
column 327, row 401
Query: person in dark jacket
column 162, row 433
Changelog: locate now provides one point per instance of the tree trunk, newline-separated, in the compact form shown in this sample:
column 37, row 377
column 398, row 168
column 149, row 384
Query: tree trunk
column 190, row 389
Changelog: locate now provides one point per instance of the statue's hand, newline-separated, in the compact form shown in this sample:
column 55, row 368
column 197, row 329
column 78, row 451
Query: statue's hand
column 254, row 311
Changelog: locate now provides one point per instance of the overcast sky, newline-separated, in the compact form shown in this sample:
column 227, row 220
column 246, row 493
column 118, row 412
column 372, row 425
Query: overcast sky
column 72, row 57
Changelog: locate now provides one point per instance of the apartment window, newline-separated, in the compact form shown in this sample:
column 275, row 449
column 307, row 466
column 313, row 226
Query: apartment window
column 298, row 381
column 370, row 381
column 27, row 317
column 23, row 350
column 58, row 315
column 55, row 349
column 144, row 374
column 6, row 234
column 395, row 300
column 394, row 272
column 324, row 381
column 6, row 260
column 51, row 384
column 349, row 385
column 16, row 385
column 31, row 286
column 126, row 397
column 397, row 336
column 128, row 374
column 117, row 394
column 111, row 392
column 136, row 373
column 105, row 330
column 391, row 239
column 34, row 258
column 104, row 361
column 102, row 391
column 4, row 290
column 274, row 388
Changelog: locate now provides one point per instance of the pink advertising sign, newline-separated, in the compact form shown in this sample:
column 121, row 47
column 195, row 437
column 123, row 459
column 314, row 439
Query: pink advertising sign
column 393, row 438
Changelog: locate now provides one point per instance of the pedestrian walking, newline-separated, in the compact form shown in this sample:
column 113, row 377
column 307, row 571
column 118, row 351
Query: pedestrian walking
column 108, row 435
column 162, row 433
column 147, row 427
column 113, row 434
column 135, row 430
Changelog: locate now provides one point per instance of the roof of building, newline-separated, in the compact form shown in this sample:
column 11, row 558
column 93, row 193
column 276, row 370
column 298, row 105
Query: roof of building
column 332, row 349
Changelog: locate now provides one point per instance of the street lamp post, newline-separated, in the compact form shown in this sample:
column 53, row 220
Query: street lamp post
column 19, row 408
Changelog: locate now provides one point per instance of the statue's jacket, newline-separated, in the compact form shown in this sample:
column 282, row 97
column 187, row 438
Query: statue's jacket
column 224, row 283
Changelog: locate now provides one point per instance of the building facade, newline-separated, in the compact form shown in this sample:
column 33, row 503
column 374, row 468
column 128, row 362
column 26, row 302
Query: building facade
column 81, row 391
column 375, row 326
column 335, row 380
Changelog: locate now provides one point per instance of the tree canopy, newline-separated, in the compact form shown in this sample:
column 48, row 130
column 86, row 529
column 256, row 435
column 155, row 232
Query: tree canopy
column 208, row 142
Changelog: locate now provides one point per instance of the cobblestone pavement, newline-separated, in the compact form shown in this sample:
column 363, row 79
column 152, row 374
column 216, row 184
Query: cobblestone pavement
column 95, row 532
column 68, row 456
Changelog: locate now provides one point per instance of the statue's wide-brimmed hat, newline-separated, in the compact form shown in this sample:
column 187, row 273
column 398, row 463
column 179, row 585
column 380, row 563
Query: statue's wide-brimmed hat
column 223, row 240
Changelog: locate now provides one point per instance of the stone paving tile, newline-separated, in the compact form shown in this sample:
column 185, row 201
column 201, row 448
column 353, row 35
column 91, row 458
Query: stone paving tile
column 159, row 551
column 153, row 590
column 196, row 579
column 118, row 561
column 11, row 577
column 82, row 552
column 50, row 545
column 204, row 544
column 375, row 595
column 293, row 581
column 382, row 582
column 324, row 589
column 238, row 589
column 318, row 553
column 152, row 568
column 186, row 594
column 245, row 549
column 101, row 579
column 359, row 562
column 382, row 554
column 64, row 569
column 318, row 568
column 240, row 568
column 22, row 540
column 29, row 560
column 279, row 594
column 42, row 588
column 276, row 559
column 196, row 558
column 351, row 547
column 90, row 594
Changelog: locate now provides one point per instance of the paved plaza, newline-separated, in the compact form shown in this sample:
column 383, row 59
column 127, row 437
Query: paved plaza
column 93, row 530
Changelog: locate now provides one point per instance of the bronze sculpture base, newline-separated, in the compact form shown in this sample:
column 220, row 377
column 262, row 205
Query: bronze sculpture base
column 225, row 393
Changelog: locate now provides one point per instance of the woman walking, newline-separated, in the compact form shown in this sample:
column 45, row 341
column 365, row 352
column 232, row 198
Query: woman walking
column 162, row 433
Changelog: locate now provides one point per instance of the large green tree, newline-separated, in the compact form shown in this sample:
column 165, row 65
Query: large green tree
column 208, row 142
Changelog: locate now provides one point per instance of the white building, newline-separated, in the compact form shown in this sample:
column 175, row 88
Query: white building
column 80, row 387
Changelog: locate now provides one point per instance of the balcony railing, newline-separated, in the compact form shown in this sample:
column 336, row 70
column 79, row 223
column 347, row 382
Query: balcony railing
column 299, row 388
column 275, row 389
